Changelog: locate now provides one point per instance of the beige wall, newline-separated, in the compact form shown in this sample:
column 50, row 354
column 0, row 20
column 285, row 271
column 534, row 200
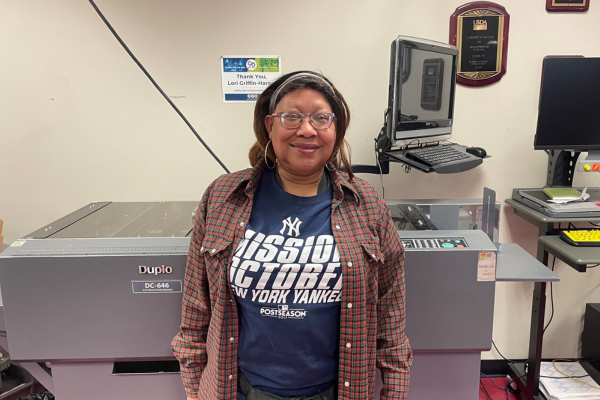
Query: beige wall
column 79, row 121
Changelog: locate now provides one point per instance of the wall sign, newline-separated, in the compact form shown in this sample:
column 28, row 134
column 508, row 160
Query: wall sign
column 245, row 77
column 480, row 31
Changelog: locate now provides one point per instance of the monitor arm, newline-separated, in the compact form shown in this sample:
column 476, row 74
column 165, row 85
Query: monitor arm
column 382, row 144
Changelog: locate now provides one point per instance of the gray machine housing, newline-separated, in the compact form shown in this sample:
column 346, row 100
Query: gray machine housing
column 70, row 301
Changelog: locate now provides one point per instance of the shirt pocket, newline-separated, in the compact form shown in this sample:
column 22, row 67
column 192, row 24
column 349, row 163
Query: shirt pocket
column 216, row 251
column 373, row 261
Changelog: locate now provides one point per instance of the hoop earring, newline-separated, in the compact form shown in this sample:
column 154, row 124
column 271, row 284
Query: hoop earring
column 267, row 158
column 333, row 159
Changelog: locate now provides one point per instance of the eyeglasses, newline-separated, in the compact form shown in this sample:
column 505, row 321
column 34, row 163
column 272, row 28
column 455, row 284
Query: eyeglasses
column 293, row 120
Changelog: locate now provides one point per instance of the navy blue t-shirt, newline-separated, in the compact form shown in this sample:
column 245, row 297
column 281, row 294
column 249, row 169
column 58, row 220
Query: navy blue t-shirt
column 287, row 279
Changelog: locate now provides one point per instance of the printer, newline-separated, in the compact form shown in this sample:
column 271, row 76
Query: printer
column 97, row 294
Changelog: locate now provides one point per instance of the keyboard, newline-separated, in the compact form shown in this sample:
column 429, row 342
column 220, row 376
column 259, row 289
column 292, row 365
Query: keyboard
column 581, row 237
column 436, row 155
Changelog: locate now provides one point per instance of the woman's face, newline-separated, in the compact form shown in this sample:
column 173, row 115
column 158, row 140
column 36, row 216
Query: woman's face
column 302, row 151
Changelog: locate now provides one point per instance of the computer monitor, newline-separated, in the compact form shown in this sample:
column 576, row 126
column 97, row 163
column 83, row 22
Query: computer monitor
column 421, row 91
column 568, row 117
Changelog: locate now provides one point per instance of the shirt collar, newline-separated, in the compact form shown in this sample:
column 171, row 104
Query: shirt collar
column 250, row 179
column 339, row 182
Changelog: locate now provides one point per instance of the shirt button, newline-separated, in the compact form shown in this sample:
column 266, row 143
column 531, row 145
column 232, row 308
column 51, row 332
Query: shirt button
column 348, row 345
column 201, row 248
column 346, row 384
column 337, row 227
column 349, row 264
column 231, row 339
column 241, row 224
column 374, row 256
column 349, row 305
column 215, row 250
column 231, row 377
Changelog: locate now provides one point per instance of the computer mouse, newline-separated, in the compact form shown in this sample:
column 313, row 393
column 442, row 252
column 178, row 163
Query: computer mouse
column 477, row 151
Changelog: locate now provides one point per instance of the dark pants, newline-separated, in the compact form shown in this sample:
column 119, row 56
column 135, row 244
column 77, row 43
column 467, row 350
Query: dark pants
column 257, row 394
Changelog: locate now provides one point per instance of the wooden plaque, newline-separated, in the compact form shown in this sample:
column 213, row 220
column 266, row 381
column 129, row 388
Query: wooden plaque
column 568, row 5
column 480, row 31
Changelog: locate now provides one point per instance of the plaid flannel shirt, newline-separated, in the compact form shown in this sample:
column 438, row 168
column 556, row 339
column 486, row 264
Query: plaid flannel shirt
column 372, row 309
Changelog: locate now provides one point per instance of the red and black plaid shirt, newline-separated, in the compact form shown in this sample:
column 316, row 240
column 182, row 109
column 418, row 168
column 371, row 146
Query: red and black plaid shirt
column 372, row 309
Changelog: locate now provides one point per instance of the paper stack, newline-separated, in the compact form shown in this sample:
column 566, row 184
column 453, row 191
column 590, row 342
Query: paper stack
column 565, row 388
column 566, row 195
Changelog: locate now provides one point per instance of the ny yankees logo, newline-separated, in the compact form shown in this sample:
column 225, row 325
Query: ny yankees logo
column 293, row 226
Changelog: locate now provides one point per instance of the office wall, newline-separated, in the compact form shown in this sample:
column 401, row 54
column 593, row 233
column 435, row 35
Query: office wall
column 79, row 121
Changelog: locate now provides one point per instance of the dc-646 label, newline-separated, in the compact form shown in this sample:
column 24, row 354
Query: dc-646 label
column 170, row 286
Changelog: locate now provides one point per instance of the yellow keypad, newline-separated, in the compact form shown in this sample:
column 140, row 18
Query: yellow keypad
column 581, row 237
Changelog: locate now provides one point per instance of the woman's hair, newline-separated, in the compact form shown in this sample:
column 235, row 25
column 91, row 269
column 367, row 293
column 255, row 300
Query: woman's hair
column 289, row 83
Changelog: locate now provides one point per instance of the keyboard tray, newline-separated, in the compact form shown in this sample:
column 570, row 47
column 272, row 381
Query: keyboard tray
column 449, row 168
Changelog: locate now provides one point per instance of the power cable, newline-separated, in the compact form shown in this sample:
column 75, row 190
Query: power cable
column 551, row 300
column 484, row 389
column 498, row 386
column 572, row 377
column 156, row 85
column 506, row 359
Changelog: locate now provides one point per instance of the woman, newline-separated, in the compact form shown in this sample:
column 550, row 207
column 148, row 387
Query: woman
column 295, row 280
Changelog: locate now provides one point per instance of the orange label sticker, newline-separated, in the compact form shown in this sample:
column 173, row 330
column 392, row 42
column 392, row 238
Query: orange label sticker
column 596, row 167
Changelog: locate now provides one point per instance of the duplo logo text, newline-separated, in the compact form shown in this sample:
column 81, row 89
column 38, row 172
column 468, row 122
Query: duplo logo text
column 155, row 270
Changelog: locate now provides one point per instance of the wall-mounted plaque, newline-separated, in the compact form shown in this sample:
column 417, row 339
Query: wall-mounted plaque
column 567, row 5
column 480, row 31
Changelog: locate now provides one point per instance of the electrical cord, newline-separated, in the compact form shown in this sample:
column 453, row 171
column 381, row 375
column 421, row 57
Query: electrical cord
column 591, row 223
column 510, row 382
column 506, row 359
column 409, row 143
column 156, row 84
column 498, row 386
column 571, row 377
column 551, row 300
column 380, row 171
column 484, row 389
column 593, row 266
column 518, row 377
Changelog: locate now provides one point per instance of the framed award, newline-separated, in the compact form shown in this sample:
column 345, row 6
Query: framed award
column 480, row 31
column 567, row 5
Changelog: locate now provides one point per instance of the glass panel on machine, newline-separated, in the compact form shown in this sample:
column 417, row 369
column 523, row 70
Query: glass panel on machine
column 135, row 219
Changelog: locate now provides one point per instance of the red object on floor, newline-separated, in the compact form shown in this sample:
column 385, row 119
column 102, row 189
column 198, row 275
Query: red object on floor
column 495, row 392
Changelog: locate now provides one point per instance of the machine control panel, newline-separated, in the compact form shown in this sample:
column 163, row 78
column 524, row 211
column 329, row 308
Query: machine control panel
column 435, row 243
column 591, row 162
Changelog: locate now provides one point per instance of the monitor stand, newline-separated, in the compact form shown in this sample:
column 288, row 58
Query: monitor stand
column 561, row 167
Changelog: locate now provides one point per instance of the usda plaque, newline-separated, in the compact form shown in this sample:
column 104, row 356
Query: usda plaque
column 480, row 31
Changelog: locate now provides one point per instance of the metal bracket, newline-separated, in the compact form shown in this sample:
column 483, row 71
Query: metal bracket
column 561, row 167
